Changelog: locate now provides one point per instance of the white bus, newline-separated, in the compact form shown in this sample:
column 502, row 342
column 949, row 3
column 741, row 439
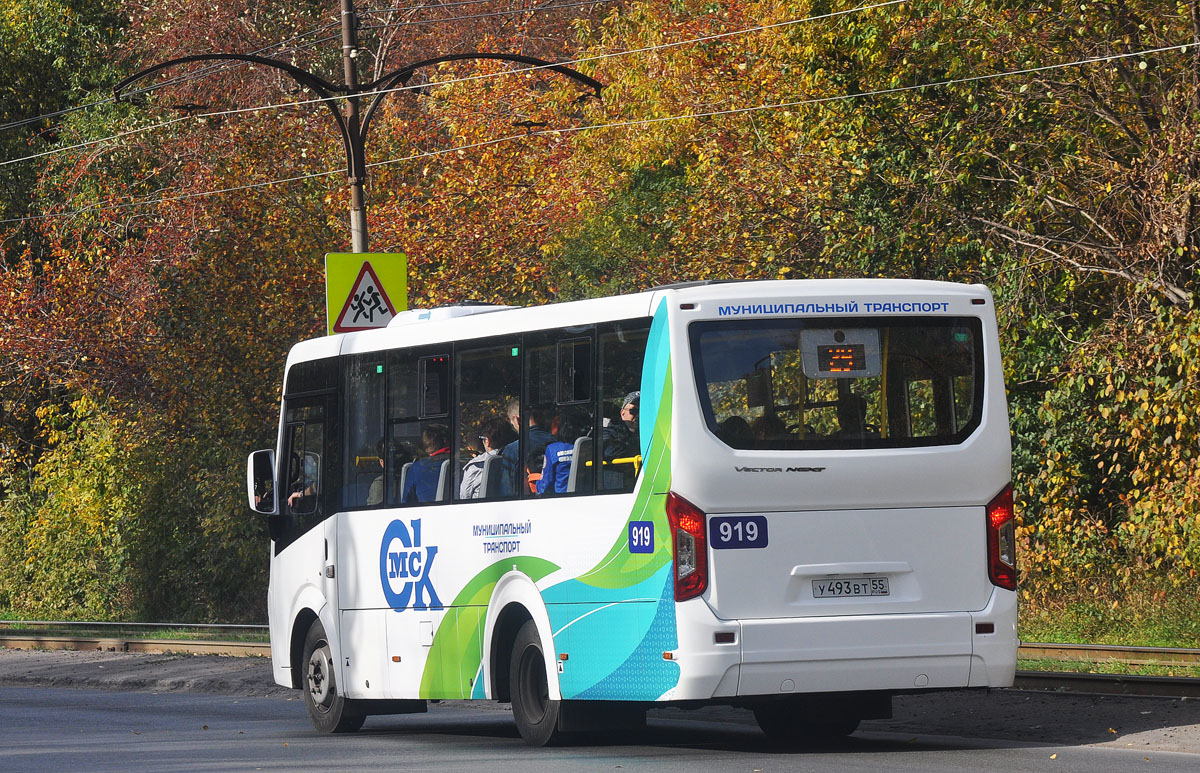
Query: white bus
column 789, row 496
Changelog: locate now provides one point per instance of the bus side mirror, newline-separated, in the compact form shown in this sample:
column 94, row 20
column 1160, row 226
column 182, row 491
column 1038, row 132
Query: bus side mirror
column 260, row 482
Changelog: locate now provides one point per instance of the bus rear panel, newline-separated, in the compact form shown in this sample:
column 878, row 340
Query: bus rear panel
column 849, row 452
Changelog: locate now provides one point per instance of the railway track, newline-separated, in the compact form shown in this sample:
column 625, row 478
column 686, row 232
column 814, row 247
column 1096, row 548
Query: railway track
column 251, row 640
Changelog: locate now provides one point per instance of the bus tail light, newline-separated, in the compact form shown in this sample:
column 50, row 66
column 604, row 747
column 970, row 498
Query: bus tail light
column 1002, row 540
column 691, row 547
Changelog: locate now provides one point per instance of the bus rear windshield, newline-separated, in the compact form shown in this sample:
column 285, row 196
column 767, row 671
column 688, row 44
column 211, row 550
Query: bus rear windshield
column 801, row 384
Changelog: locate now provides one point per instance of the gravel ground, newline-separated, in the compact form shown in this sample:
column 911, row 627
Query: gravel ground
column 1150, row 724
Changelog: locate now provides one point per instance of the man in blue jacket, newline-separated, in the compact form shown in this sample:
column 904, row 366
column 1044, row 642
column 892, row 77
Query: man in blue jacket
column 421, row 482
column 537, row 439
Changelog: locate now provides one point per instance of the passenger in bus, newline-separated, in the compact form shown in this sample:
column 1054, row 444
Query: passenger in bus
column 534, row 469
column 303, row 487
column 422, row 482
column 769, row 430
column 400, row 454
column 736, row 432
column 494, row 435
column 621, row 437
column 375, row 492
column 538, row 438
column 556, row 462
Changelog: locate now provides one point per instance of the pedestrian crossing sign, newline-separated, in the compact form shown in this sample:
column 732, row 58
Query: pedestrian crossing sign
column 364, row 290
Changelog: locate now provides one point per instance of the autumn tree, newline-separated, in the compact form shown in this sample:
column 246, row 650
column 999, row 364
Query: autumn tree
column 1048, row 150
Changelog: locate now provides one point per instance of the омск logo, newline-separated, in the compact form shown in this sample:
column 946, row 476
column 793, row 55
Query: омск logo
column 404, row 568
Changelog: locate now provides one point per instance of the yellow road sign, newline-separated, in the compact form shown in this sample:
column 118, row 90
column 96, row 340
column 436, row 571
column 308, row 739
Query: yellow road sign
column 364, row 290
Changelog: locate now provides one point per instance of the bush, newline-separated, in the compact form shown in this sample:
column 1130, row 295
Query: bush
column 117, row 522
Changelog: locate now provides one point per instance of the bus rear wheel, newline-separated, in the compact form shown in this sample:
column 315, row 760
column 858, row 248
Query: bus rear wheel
column 536, row 715
column 330, row 711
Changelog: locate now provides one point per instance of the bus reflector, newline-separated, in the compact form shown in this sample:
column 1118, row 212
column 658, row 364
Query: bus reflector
column 1002, row 540
column 691, row 547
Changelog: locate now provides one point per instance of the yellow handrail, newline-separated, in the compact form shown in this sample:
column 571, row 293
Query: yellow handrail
column 636, row 461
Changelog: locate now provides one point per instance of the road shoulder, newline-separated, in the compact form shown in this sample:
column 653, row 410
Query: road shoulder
column 1149, row 724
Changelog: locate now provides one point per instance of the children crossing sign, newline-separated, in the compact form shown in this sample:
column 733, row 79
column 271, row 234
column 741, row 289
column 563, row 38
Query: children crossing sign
column 364, row 290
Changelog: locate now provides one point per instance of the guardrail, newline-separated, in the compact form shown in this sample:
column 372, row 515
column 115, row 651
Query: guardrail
column 21, row 625
column 192, row 638
column 1109, row 684
column 1104, row 653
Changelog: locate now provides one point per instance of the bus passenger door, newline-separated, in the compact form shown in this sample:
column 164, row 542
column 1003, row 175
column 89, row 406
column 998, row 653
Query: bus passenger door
column 299, row 577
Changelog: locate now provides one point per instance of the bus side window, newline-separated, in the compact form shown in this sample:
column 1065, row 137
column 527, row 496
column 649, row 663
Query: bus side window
column 306, row 439
column 488, row 378
column 310, row 468
column 418, row 388
column 559, row 407
column 294, row 474
column 621, row 348
column 365, row 451
column 936, row 406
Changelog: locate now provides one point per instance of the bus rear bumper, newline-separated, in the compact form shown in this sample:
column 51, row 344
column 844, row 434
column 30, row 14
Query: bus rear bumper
column 904, row 652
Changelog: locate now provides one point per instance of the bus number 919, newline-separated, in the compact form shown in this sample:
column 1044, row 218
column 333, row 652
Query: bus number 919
column 641, row 536
column 738, row 532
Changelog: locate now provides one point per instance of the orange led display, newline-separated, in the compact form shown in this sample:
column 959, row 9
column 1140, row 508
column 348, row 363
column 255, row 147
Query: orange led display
column 845, row 358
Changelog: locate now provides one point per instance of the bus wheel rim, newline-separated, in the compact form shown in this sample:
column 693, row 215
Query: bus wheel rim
column 320, row 673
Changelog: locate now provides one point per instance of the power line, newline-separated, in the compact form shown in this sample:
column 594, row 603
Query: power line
column 510, row 12
column 647, row 49
column 626, row 124
column 429, row 6
column 797, row 103
column 596, row 57
column 55, row 114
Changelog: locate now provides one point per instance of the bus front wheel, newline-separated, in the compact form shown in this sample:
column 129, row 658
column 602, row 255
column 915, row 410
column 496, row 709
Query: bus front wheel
column 330, row 711
column 536, row 715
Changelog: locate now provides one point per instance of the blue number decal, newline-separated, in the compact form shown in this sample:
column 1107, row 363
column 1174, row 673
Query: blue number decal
column 738, row 531
column 641, row 536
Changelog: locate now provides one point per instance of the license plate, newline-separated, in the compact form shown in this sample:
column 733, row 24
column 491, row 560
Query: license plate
column 849, row 587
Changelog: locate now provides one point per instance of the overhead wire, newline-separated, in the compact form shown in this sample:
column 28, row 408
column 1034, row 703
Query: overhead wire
column 510, row 12
column 625, row 124
column 647, row 49
column 796, row 103
column 431, row 6
column 65, row 111
column 464, row 79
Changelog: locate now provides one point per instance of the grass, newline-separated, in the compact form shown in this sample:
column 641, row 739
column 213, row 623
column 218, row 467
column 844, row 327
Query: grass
column 1104, row 667
column 1147, row 616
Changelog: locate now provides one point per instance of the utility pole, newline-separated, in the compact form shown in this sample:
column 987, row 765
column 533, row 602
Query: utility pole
column 354, row 125
column 357, row 172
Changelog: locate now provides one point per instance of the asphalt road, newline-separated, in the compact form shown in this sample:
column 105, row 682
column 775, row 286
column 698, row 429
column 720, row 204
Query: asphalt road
column 169, row 713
